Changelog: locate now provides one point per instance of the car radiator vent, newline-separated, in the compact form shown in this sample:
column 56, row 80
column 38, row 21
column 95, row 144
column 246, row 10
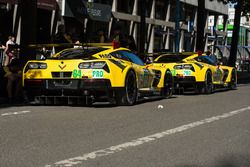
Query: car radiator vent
column 61, row 74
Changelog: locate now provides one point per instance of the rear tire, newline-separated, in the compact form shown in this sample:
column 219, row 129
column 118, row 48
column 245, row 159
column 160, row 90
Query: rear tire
column 167, row 90
column 128, row 95
column 233, row 82
column 207, row 87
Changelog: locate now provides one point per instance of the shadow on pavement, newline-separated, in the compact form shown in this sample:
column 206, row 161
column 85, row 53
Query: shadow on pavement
column 4, row 103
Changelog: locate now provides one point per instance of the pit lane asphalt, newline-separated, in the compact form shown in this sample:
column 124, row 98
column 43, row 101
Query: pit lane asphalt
column 48, row 134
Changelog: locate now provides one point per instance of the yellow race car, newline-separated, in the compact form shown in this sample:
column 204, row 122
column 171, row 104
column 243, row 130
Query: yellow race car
column 94, row 73
column 200, row 72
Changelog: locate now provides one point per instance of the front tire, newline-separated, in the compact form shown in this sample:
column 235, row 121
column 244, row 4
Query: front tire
column 128, row 95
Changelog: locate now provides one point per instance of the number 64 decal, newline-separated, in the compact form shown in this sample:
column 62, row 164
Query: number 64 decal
column 77, row 74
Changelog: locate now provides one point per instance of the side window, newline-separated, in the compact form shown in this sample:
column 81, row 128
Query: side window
column 119, row 55
column 204, row 59
column 211, row 61
column 132, row 57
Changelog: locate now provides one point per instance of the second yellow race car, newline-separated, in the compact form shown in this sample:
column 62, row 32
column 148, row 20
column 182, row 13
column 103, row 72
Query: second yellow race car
column 200, row 72
column 94, row 73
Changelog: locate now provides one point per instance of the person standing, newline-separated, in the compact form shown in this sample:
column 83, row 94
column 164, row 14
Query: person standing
column 9, row 50
column 62, row 38
column 132, row 44
column 13, row 73
column 211, row 56
column 101, row 36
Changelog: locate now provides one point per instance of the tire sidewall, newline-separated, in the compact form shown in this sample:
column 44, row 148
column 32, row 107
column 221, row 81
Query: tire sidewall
column 208, row 85
column 127, row 99
column 167, row 90
column 233, row 81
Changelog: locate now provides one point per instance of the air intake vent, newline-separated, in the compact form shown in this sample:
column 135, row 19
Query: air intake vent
column 61, row 74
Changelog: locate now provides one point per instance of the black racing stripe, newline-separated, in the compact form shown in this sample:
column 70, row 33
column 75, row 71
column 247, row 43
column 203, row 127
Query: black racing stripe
column 118, row 64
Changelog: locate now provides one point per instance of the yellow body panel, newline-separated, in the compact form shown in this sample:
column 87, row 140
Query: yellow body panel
column 118, row 69
column 200, row 69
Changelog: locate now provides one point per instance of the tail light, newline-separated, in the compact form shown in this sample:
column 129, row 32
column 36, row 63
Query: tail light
column 94, row 65
column 35, row 65
column 184, row 67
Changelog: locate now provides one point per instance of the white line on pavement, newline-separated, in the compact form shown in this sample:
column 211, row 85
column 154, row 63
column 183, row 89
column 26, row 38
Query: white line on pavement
column 114, row 149
column 14, row 113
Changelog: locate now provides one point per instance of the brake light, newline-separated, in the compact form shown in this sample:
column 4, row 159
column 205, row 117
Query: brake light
column 94, row 65
column 37, row 65
column 184, row 67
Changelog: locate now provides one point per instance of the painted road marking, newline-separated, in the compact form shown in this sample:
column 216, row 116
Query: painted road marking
column 14, row 113
column 114, row 149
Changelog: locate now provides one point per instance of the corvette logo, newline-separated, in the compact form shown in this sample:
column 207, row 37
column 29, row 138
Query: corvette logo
column 62, row 67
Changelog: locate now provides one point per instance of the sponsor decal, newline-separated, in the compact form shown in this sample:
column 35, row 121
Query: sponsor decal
column 105, row 56
column 77, row 73
column 187, row 73
column 173, row 72
column 97, row 74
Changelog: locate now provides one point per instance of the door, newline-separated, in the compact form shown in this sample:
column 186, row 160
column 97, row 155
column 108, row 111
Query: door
column 145, row 76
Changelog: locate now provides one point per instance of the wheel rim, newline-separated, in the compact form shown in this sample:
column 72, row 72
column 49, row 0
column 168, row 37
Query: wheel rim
column 131, row 88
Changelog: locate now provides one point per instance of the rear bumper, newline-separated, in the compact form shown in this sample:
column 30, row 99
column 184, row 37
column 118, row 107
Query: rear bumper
column 68, row 87
column 183, row 82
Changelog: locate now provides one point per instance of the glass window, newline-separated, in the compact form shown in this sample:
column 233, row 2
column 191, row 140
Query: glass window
column 205, row 59
column 79, row 53
column 148, row 7
column 125, row 6
column 161, row 9
column 171, row 58
column 134, row 58
column 119, row 55
column 128, row 56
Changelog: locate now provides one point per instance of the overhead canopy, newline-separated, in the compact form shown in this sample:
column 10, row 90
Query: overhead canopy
column 47, row 4
column 9, row 1
column 42, row 4
column 81, row 9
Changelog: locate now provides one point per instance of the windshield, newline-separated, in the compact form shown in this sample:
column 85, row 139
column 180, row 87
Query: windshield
column 171, row 58
column 79, row 53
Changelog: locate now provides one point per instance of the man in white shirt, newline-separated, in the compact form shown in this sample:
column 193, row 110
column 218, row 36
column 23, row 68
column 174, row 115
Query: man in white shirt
column 8, row 50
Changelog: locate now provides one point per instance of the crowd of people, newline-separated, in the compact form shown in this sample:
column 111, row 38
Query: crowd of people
column 100, row 37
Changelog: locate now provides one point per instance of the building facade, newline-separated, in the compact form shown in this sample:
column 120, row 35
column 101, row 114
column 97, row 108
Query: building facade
column 160, row 22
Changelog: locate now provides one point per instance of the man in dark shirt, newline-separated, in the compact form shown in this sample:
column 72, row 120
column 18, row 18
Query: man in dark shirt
column 13, row 73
